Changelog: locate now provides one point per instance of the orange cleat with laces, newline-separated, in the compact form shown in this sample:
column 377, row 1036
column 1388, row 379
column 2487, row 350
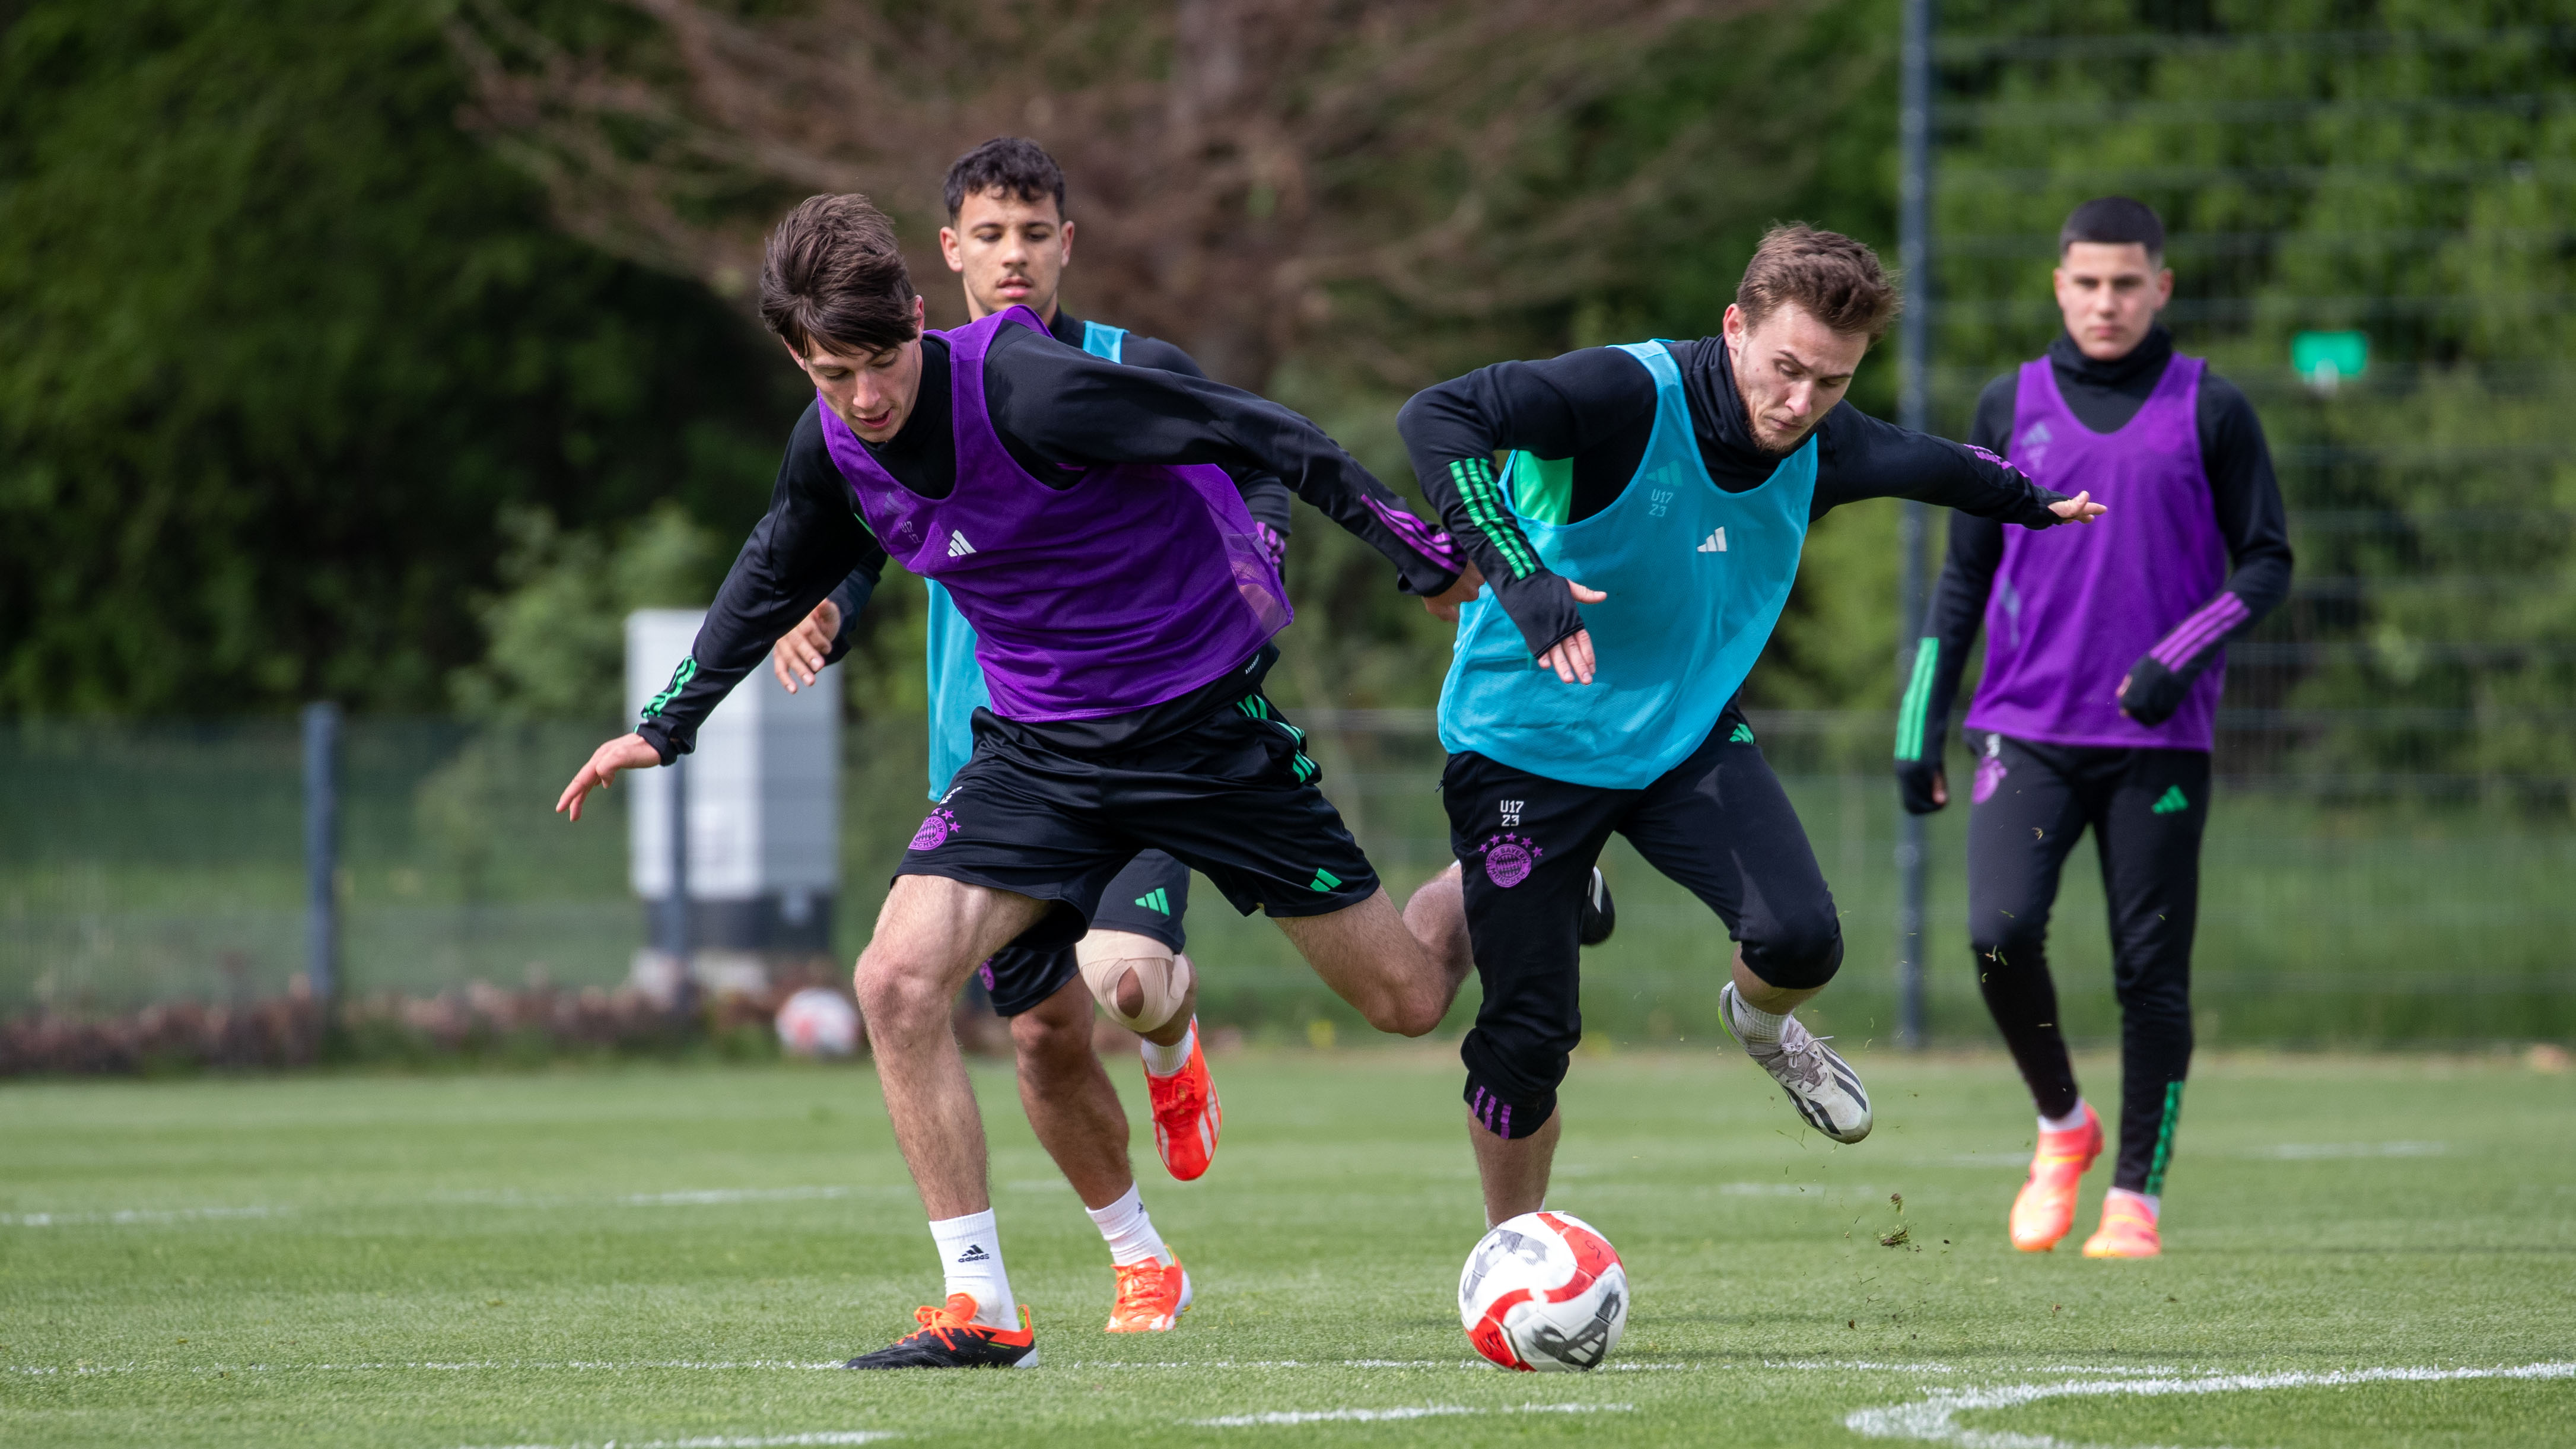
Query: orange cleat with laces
column 1186, row 1116
column 2045, row 1209
column 2128, row 1229
column 1152, row 1297
column 951, row 1338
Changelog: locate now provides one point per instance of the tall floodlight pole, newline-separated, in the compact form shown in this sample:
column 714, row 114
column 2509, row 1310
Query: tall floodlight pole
column 1913, row 410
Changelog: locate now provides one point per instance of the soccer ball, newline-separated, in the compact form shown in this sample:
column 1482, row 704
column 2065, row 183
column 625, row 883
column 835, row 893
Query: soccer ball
column 818, row 1022
column 1544, row 1293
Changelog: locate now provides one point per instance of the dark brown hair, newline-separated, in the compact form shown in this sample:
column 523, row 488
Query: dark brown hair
column 2118, row 221
column 1832, row 278
column 834, row 277
column 1012, row 165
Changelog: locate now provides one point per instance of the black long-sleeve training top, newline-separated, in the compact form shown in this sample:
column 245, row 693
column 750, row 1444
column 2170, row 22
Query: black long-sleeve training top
column 2104, row 396
column 1596, row 406
column 1058, row 411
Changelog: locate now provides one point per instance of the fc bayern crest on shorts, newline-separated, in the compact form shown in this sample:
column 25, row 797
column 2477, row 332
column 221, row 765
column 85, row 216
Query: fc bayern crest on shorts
column 1990, row 777
column 1509, row 859
column 934, row 831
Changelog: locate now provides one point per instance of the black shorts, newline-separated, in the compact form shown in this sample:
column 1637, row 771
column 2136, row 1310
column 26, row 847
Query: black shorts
column 1231, row 795
column 1148, row 898
column 1718, row 823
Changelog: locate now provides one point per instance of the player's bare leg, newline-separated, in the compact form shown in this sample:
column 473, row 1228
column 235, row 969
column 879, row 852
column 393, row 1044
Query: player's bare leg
column 931, row 933
column 1072, row 1106
column 1373, row 961
column 1514, row 1170
column 1077, row 1117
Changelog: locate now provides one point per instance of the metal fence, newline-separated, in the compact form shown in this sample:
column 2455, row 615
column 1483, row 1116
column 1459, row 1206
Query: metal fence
column 155, row 863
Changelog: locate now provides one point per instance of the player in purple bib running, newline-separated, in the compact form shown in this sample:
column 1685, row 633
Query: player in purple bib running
column 1078, row 513
column 1009, row 241
column 2105, row 655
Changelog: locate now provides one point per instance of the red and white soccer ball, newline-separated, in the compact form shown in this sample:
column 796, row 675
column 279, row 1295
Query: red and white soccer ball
column 1544, row 1293
column 818, row 1022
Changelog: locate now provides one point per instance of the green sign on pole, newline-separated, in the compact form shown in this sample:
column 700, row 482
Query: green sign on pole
column 2324, row 360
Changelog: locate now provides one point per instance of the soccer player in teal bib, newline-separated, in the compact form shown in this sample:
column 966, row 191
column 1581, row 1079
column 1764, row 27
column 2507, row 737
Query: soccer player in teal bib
column 1637, row 548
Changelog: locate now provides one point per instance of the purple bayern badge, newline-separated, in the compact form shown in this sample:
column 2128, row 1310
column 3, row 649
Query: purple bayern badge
column 934, row 831
column 1509, row 859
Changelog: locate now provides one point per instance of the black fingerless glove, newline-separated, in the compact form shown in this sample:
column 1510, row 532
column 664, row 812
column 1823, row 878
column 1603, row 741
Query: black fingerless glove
column 2154, row 692
column 1914, row 780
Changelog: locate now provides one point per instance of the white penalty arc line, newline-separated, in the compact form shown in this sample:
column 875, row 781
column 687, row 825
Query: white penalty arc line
column 1379, row 1416
column 1933, row 1419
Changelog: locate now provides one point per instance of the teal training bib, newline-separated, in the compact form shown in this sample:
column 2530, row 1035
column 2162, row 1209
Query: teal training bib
column 1696, row 577
column 956, row 681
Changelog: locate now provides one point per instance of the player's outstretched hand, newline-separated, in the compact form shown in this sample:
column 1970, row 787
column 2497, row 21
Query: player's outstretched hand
column 1444, row 604
column 2079, row 509
column 800, row 652
column 626, row 752
column 1571, row 656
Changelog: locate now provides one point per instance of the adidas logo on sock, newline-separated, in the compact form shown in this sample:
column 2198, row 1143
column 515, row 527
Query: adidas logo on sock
column 2171, row 803
column 1714, row 543
column 974, row 1254
column 958, row 547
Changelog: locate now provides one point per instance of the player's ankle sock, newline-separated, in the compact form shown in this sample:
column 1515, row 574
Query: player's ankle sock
column 2139, row 1198
column 1130, row 1232
column 2073, row 1119
column 1164, row 1061
column 970, row 1253
column 1754, row 1024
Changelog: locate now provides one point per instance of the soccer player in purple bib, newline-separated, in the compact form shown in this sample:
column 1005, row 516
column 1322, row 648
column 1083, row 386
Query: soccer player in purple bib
column 2105, row 655
column 1078, row 513
column 1640, row 542
column 1009, row 241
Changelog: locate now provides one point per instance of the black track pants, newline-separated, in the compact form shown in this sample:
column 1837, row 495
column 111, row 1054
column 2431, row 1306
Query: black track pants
column 1718, row 823
column 2031, row 802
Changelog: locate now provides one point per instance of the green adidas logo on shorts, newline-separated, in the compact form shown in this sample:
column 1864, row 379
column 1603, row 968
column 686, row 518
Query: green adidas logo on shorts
column 2171, row 803
column 1743, row 735
column 1157, row 900
column 1324, row 883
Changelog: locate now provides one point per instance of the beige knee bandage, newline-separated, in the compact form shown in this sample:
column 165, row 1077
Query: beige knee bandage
column 1109, row 957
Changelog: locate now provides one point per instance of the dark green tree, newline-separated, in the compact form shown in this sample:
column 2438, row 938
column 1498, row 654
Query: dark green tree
column 280, row 346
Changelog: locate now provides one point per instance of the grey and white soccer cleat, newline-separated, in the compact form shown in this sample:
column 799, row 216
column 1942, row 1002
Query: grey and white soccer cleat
column 1820, row 1084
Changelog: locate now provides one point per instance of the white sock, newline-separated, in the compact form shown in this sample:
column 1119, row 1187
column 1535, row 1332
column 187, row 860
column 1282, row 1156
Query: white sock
column 2067, row 1123
column 2140, row 1198
column 1754, row 1024
column 970, row 1253
column 1165, row 1061
column 1130, row 1232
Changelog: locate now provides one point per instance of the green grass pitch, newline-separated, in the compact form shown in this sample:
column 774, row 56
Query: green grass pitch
column 665, row 1256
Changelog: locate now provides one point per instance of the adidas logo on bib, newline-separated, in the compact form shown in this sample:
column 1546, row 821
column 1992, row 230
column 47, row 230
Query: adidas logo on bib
column 1714, row 543
column 958, row 547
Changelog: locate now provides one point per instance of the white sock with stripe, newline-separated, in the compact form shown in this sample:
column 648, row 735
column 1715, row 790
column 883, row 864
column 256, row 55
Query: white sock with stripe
column 970, row 1254
column 1131, row 1235
column 2067, row 1123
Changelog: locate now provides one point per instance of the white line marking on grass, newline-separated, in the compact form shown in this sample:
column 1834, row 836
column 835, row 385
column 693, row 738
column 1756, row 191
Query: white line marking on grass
column 129, row 1216
column 1932, row 1419
column 725, row 1442
column 720, row 1195
column 2321, row 1151
column 1377, row 1416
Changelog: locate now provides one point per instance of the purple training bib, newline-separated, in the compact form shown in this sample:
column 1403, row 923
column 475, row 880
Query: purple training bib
column 1137, row 584
column 2073, row 608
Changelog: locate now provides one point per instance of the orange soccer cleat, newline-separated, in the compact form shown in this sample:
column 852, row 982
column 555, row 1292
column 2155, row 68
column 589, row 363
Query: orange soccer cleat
column 1186, row 1116
column 2128, row 1229
column 1151, row 1296
column 2045, row 1209
column 951, row 1338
